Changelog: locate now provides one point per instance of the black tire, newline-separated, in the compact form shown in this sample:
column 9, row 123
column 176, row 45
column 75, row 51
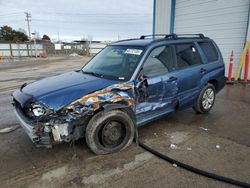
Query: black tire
column 199, row 107
column 109, row 132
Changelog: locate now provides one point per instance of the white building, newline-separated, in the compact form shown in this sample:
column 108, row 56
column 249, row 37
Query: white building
column 225, row 21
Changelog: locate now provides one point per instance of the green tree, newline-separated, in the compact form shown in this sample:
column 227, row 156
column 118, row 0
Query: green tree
column 9, row 34
column 45, row 37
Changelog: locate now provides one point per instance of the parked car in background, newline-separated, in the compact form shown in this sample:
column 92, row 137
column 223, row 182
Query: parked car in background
column 128, row 84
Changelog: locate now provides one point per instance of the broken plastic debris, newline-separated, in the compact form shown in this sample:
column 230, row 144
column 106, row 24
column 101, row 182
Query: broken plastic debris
column 217, row 146
column 203, row 128
column 173, row 146
column 189, row 149
column 9, row 129
column 175, row 165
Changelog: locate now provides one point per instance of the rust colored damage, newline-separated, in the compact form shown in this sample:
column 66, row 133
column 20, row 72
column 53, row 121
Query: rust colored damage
column 117, row 93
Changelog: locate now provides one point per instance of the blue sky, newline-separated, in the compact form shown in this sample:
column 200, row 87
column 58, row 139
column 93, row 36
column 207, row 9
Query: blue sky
column 75, row 19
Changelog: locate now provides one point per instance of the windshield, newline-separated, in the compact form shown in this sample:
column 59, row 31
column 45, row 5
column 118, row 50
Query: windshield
column 114, row 62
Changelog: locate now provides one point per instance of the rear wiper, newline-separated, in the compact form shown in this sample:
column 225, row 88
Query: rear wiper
column 92, row 73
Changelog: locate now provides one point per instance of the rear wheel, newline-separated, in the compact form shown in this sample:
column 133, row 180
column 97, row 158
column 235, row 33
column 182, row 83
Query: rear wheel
column 109, row 132
column 206, row 99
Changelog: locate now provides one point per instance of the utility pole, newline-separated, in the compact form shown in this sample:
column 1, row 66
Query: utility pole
column 34, row 38
column 58, row 38
column 28, row 19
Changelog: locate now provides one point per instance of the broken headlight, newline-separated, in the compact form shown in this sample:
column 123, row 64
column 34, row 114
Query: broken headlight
column 38, row 110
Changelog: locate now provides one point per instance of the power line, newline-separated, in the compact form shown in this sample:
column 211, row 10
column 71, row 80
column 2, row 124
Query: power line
column 7, row 22
column 9, row 14
column 92, row 14
column 90, row 22
column 79, row 15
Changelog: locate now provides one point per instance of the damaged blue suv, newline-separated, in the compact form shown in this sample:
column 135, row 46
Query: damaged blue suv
column 128, row 84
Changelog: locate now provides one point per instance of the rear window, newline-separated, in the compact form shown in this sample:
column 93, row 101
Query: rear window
column 209, row 51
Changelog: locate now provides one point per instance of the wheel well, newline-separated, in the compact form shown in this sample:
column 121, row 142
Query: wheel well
column 215, row 83
column 125, row 109
column 130, row 112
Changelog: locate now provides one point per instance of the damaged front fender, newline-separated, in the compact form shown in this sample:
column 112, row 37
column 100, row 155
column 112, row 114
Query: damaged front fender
column 115, row 94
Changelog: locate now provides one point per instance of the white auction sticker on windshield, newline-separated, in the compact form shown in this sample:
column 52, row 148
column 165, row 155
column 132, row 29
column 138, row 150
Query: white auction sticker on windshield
column 133, row 51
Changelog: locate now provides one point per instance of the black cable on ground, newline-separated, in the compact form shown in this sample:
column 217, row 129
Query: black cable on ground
column 193, row 169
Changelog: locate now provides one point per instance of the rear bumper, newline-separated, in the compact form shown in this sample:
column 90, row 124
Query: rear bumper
column 221, row 83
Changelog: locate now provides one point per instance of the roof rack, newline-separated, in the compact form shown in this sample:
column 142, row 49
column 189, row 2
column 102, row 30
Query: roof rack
column 165, row 36
column 174, row 36
column 200, row 35
column 125, row 40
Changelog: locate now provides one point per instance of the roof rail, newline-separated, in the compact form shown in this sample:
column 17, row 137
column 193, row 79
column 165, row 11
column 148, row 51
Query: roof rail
column 200, row 35
column 174, row 36
column 125, row 40
column 165, row 36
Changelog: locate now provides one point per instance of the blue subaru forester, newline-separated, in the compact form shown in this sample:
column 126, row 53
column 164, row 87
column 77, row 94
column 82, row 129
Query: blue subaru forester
column 128, row 84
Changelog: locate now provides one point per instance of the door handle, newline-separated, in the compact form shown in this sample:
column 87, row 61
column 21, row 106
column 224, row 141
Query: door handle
column 171, row 79
column 203, row 70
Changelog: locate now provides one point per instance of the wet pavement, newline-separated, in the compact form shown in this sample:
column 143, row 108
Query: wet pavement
column 218, row 142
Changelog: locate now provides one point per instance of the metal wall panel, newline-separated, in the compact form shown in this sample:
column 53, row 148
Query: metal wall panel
column 225, row 21
column 19, row 50
column 19, row 53
column 4, row 46
column 94, row 48
column 5, row 53
column 162, row 16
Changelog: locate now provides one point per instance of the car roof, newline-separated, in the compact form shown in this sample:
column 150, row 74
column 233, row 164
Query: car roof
column 143, row 42
column 134, row 42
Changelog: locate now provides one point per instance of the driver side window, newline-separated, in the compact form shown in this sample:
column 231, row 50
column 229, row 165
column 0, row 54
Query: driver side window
column 159, row 62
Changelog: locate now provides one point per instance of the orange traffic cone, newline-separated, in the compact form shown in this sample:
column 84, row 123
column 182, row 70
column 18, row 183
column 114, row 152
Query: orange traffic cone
column 229, row 78
column 246, row 67
column 44, row 55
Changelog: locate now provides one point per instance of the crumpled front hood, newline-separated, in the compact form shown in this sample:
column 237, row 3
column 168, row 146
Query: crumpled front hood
column 58, row 91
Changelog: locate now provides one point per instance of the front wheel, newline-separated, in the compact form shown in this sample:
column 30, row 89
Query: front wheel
column 109, row 132
column 206, row 99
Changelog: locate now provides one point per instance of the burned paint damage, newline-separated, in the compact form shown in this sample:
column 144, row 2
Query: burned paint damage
column 69, row 123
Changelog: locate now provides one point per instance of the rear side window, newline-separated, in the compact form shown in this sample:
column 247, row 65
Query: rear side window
column 209, row 51
column 186, row 55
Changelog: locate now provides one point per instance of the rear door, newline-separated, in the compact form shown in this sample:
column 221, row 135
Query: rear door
column 190, row 72
column 159, row 95
column 214, row 64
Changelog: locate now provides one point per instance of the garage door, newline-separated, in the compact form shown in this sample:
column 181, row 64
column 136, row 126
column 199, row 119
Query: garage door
column 225, row 21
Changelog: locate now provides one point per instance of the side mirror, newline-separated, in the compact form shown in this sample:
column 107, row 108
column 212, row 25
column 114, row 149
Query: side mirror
column 143, row 82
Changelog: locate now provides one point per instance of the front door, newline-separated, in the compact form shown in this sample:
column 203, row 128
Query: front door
column 157, row 95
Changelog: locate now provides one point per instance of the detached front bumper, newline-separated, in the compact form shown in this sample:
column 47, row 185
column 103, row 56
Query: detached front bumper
column 50, row 133
column 27, row 126
column 42, row 140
